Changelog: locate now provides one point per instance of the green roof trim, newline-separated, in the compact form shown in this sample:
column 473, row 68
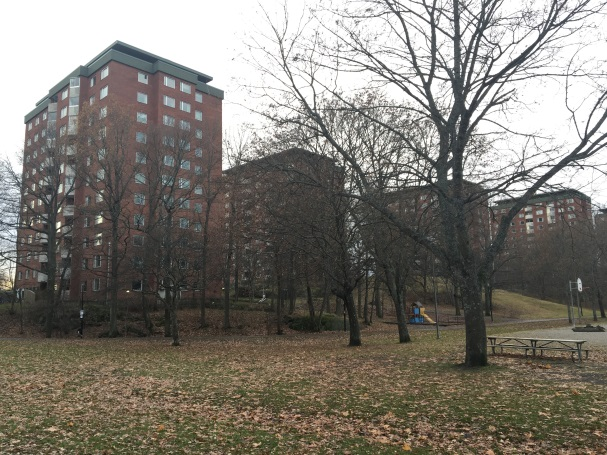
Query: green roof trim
column 135, row 58
column 546, row 197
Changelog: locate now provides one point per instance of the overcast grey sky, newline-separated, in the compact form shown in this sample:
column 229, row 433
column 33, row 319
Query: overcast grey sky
column 43, row 41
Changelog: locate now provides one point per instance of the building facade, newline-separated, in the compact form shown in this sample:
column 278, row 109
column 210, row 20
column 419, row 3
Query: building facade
column 545, row 211
column 115, row 150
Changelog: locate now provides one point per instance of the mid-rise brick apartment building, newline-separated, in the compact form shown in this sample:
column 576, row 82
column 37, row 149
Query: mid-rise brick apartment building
column 157, row 98
column 544, row 211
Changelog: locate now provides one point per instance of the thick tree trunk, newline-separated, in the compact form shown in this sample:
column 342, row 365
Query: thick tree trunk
column 600, row 302
column 379, row 308
column 174, row 323
column 355, row 339
column 399, row 306
column 476, row 333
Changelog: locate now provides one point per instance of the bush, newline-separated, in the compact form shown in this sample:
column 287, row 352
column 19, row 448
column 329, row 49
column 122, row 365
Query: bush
column 306, row 324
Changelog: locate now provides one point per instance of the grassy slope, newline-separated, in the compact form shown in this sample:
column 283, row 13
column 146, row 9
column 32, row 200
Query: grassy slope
column 517, row 306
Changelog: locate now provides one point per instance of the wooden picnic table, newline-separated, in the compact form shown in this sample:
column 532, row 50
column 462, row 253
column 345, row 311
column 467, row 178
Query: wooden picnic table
column 538, row 344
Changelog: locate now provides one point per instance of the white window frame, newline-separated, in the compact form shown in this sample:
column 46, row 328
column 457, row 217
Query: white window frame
column 185, row 87
column 168, row 101
column 142, row 98
column 142, row 117
column 169, row 82
column 105, row 72
column 142, row 77
column 103, row 92
column 185, row 106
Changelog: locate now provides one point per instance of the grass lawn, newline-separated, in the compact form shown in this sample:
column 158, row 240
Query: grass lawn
column 300, row 394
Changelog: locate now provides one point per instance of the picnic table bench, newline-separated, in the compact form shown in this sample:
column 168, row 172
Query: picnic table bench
column 538, row 344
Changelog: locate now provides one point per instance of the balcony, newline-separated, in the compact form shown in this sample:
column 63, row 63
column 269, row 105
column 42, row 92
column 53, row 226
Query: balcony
column 65, row 253
column 42, row 277
column 66, row 231
column 68, row 211
column 43, row 258
column 43, row 239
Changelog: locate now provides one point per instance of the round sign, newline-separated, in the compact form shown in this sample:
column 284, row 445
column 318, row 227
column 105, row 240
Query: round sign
column 579, row 284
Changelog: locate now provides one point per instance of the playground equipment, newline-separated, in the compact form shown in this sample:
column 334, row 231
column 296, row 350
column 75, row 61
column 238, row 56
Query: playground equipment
column 419, row 315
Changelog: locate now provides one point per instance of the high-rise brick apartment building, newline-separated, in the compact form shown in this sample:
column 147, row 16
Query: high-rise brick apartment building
column 157, row 139
column 544, row 211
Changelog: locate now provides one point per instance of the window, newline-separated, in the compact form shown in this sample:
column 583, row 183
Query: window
column 44, row 115
column 539, row 212
column 569, row 201
column 198, row 152
column 167, row 180
column 96, row 284
column 185, row 164
column 138, row 220
column 103, row 112
column 63, row 112
column 62, row 130
column 103, row 92
column 87, row 221
column 142, row 98
column 184, row 145
column 184, row 223
column 136, row 285
column 540, row 220
column 168, row 101
column 169, row 81
column 137, row 263
column 85, row 242
column 142, row 117
column 197, row 227
column 184, row 183
column 96, row 261
column 92, row 100
column 168, row 120
column 169, row 160
column 99, row 218
column 184, row 125
column 571, row 216
column 98, row 239
column 27, row 272
column 198, row 97
column 198, row 190
column 183, row 203
column 185, row 88
column 105, row 72
column 140, row 178
column 185, row 107
column 141, row 137
column 93, row 81
column 198, row 207
column 64, row 94
column 85, row 264
column 20, row 275
column 198, row 115
column 198, row 170
column 100, row 174
column 139, row 199
column 140, row 158
column 142, row 77
column 198, row 133
column 138, row 240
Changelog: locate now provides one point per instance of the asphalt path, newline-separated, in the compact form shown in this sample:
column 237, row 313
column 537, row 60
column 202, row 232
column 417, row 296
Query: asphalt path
column 565, row 333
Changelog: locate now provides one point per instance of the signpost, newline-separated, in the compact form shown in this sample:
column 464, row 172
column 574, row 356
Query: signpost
column 570, row 311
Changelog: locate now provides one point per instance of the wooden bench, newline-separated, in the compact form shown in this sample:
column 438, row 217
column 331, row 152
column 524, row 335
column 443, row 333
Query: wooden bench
column 536, row 345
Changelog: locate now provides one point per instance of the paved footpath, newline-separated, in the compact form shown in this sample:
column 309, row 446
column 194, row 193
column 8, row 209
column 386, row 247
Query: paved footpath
column 565, row 333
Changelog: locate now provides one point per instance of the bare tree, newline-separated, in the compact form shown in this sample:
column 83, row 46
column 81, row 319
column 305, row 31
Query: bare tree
column 459, row 69
column 106, row 138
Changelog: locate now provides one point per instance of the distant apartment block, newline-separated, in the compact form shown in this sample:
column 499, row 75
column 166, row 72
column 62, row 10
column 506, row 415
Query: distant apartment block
column 162, row 99
column 544, row 211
